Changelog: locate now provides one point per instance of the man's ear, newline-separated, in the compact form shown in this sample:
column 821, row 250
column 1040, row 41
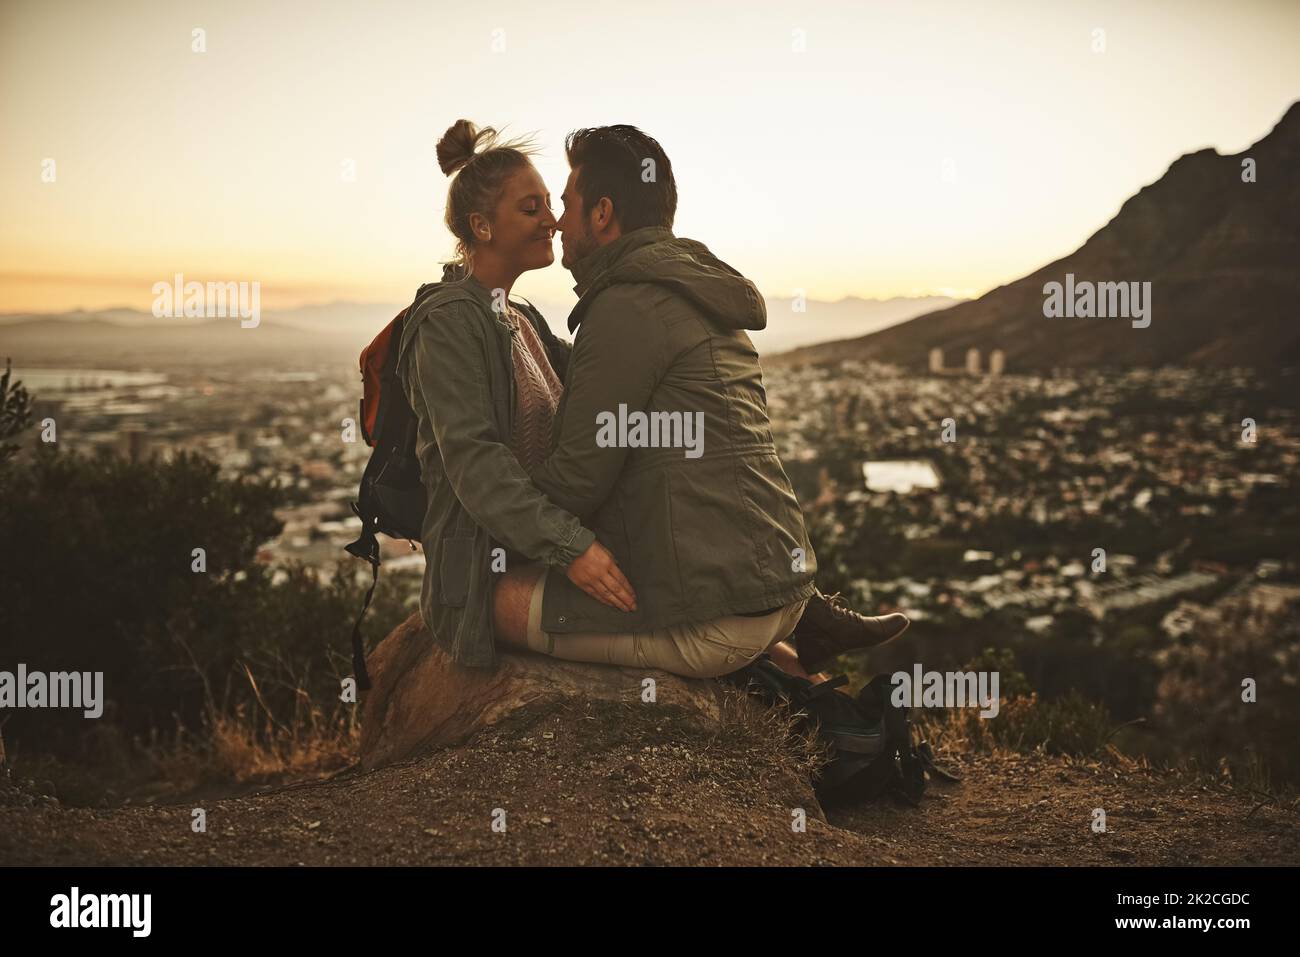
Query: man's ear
column 602, row 216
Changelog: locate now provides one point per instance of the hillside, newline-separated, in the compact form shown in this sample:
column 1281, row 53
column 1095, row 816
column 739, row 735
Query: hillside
column 611, row 784
column 1221, row 256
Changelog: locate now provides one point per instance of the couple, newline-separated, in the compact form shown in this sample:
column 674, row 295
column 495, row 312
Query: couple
column 541, row 533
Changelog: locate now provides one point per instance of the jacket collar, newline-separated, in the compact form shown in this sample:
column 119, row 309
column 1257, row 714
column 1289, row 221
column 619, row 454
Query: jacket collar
column 587, row 270
column 472, row 287
column 475, row 287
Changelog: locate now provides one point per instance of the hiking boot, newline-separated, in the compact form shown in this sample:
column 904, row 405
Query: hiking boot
column 829, row 627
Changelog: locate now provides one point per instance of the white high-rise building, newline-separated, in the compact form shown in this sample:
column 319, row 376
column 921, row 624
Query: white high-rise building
column 936, row 361
column 973, row 361
column 997, row 362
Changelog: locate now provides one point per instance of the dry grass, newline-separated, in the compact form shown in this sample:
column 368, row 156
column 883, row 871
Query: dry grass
column 242, row 749
column 1069, row 725
column 231, row 752
column 748, row 723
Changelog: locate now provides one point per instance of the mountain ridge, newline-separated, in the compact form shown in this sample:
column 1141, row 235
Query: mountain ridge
column 1220, row 254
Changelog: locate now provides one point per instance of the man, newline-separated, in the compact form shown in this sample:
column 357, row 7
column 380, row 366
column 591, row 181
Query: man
column 711, row 535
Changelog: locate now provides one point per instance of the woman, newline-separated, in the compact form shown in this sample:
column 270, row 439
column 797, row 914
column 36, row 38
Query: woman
column 484, row 377
column 457, row 362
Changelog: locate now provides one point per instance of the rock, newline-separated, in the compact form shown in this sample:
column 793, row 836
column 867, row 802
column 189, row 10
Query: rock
column 420, row 699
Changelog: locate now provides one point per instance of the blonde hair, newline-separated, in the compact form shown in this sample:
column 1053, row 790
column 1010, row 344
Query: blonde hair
column 480, row 176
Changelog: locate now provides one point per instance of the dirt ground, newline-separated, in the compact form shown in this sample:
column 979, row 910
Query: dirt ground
column 581, row 784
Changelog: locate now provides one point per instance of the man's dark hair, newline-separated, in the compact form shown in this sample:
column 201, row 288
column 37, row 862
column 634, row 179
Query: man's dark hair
column 613, row 164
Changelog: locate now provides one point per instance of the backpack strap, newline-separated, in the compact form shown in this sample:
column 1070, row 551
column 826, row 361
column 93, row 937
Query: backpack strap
column 812, row 692
column 909, row 784
column 926, row 754
column 358, row 647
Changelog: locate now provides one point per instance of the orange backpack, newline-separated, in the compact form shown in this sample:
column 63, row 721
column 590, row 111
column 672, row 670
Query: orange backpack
column 391, row 499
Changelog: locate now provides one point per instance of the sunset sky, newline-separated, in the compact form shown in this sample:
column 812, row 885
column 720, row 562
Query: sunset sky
column 820, row 170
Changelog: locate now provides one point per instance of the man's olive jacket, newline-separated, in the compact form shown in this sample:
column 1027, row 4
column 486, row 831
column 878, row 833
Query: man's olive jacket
column 661, row 329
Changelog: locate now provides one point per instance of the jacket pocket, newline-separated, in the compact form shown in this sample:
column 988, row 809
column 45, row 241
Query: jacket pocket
column 454, row 570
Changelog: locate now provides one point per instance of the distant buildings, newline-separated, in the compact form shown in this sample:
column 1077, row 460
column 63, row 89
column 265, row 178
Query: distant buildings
column 1141, row 591
column 997, row 363
column 900, row 475
column 133, row 443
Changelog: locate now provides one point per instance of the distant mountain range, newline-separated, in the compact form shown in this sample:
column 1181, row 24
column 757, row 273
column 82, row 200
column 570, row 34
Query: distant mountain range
column 140, row 339
column 342, row 329
column 1222, row 257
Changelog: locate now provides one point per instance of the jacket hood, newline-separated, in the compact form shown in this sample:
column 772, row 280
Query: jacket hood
column 653, row 254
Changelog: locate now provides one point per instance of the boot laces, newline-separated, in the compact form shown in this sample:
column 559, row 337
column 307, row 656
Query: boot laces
column 838, row 606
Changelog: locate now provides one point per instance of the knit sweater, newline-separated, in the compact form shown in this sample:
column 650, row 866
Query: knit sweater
column 538, row 392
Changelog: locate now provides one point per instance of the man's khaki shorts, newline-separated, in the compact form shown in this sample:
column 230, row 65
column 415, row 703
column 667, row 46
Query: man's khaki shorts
column 697, row 650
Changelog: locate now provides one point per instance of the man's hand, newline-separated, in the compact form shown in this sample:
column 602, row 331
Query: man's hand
column 596, row 573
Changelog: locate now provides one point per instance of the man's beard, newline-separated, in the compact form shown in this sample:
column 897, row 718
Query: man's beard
column 578, row 250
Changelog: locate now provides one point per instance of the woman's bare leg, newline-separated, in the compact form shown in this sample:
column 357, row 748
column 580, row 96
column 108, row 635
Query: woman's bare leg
column 510, row 600
column 786, row 658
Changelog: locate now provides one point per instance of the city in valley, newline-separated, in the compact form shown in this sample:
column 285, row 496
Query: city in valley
column 1070, row 502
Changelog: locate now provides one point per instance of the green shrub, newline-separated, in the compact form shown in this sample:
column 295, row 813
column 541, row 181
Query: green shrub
column 97, row 575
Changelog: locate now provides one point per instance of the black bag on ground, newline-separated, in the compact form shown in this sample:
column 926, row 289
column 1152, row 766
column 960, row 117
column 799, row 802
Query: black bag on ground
column 869, row 740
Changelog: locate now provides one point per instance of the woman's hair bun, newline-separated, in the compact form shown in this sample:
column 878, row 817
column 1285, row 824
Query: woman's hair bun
column 459, row 145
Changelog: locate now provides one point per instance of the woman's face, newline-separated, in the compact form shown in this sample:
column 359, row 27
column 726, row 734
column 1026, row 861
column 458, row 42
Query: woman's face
column 523, row 226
